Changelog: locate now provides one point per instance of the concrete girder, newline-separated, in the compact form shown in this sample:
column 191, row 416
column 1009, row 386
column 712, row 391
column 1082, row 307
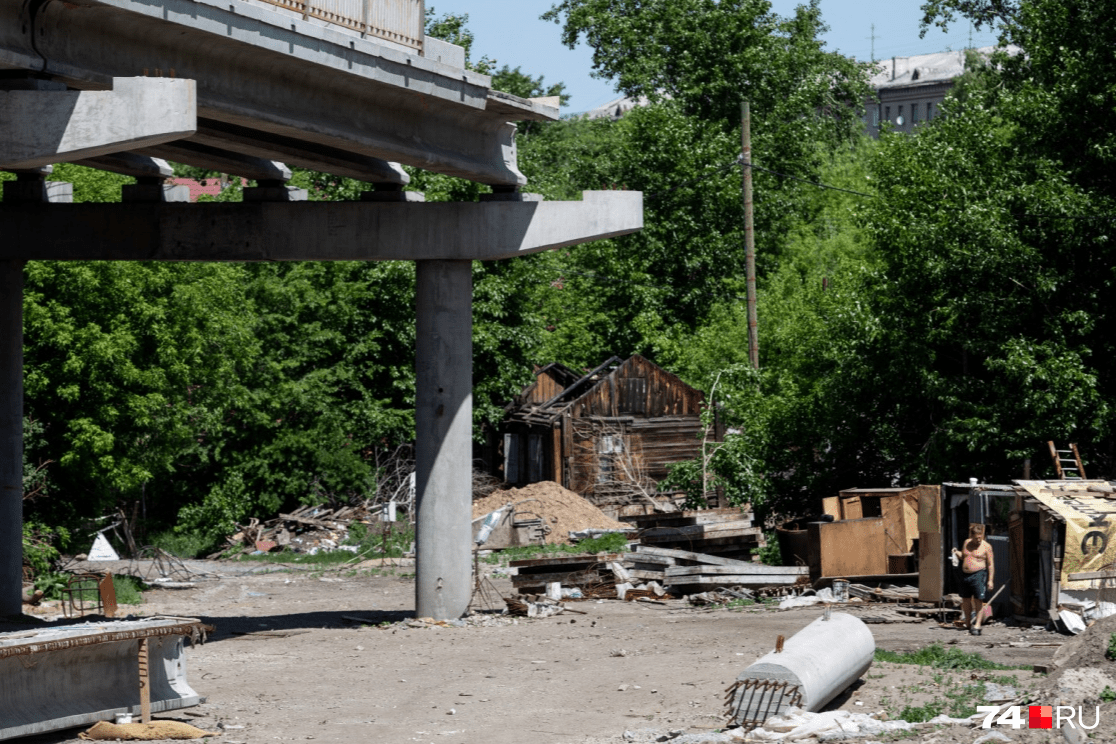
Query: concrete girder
column 262, row 70
column 222, row 161
column 39, row 127
column 313, row 231
column 130, row 164
column 304, row 154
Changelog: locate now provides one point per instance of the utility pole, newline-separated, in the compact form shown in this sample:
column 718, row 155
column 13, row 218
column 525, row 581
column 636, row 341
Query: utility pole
column 873, row 37
column 749, row 231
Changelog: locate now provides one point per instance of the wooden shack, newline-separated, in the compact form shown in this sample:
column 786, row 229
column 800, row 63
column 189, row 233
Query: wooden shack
column 610, row 435
column 1054, row 544
column 873, row 532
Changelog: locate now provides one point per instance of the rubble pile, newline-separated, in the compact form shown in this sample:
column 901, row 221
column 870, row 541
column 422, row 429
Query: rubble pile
column 560, row 509
column 308, row 529
column 601, row 576
column 1082, row 668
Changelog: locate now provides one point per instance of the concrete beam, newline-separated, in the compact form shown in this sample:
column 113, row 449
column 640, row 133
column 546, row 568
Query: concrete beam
column 58, row 678
column 130, row 164
column 309, row 155
column 313, row 231
column 263, row 70
column 42, row 127
column 222, row 161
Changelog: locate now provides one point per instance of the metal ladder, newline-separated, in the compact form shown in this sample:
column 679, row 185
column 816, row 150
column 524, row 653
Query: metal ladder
column 1067, row 462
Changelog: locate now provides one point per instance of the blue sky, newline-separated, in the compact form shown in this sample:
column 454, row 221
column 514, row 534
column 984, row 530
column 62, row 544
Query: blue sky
column 510, row 32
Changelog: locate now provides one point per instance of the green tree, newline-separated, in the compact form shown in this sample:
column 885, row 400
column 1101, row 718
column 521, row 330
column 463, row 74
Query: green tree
column 695, row 60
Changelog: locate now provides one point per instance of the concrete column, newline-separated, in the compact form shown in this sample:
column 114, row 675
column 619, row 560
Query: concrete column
column 444, row 424
column 11, row 437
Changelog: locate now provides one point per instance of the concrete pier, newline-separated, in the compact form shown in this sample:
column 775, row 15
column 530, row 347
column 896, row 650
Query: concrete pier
column 11, row 437
column 444, row 425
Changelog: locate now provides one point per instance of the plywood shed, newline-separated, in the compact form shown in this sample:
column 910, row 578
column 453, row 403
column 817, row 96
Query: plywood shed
column 610, row 435
column 873, row 532
column 1053, row 542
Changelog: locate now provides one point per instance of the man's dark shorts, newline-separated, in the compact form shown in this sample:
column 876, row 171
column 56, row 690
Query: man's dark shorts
column 974, row 584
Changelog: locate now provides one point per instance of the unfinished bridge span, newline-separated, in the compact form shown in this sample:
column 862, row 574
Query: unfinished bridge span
column 249, row 87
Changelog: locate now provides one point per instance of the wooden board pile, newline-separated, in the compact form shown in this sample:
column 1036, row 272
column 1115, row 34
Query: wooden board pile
column 687, row 572
column 727, row 532
column 308, row 529
column 589, row 573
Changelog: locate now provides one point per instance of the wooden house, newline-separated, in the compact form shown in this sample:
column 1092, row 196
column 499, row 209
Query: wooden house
column 610, row 435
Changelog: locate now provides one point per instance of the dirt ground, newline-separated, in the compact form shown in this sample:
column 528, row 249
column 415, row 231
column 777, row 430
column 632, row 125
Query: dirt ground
column 289, row 663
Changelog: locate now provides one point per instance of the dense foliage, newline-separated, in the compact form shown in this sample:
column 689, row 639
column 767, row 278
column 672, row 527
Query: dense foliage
column 940, row 318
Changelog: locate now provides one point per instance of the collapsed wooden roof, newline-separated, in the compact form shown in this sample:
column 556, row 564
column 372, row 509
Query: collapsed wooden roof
column 616, row 388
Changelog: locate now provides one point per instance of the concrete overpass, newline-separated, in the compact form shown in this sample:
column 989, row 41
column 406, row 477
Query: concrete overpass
column 246, row 87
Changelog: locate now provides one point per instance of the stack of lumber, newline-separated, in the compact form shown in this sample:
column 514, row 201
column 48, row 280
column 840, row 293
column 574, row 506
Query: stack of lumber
column 590, row 573
column 727, row 532
column 687, row 572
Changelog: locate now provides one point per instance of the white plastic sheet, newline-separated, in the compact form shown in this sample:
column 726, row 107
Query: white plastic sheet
column 797, row 724
column 824, row 596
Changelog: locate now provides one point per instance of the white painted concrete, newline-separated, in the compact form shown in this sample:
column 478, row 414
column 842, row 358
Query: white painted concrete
column 40, row 127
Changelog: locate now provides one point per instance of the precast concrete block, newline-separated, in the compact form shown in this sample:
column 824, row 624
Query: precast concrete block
column 42, row 127
column 811, row 668
column 78, row 675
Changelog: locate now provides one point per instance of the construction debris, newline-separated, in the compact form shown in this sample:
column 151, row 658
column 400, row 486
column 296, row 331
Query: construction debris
column 308, row 529
column 726, row 532
column 591, row 574
column 534, row 605
column 688, row 572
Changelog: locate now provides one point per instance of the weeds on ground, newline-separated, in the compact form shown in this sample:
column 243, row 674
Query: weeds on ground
column 938, row 657
column 370, row 542
column 1107, row 695
column 185, row 546
column 612, row 542
column 129, row 590
column 1110, row 652
column 332, row 558
column 957, row 700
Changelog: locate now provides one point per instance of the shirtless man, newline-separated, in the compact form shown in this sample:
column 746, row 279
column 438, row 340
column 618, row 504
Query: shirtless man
column 978, row 572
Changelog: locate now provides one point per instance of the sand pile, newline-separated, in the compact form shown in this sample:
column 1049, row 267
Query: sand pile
column 560, row 509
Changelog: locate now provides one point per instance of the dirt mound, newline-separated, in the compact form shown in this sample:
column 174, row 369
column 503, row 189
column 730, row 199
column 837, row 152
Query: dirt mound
column 1083, row 671
column 560, row 509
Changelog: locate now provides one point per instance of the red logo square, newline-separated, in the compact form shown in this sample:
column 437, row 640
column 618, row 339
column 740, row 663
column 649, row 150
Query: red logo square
column 1040, row 716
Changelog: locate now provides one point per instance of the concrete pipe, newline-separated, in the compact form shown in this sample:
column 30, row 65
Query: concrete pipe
column 815, row 665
